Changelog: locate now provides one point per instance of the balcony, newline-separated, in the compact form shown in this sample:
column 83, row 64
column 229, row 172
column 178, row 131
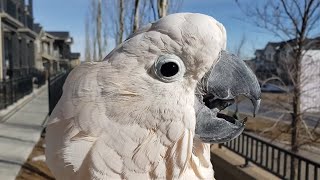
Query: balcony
column 16, row 11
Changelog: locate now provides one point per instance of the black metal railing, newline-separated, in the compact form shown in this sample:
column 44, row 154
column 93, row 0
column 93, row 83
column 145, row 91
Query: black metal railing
column 55, row 89
column 14, row 89
column 39, row 77
column 277, row 160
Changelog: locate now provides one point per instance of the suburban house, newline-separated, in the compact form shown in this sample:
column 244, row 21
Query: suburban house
column 275, row 60
column 53, row 52
column 28, row 53
column 17, row 39
column 74, row 59
column 62, row 49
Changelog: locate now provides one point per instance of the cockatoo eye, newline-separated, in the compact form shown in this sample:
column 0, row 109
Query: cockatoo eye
column 169, row 68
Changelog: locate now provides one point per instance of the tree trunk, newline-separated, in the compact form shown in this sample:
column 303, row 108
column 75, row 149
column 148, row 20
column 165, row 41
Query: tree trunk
column 94, row 56
column 93, row 29
column 105, row 40
column 162, row 8
column 296, row 117
column 98, row 29
column 136, row 16
column 87, row 45
column 296, row 106
column 121, row 23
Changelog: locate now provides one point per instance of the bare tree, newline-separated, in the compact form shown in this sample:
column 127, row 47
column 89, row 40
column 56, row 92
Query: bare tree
column 174, row 6
column 117, row 19
column 136, row 16
column 99, row 29
column 121, row 22
column 147, row 6
column 94, row 27
column 292, row 21
column 105, row 40
column 162, row 8
column 238, row 50
column 94, row 42
column 87, row 41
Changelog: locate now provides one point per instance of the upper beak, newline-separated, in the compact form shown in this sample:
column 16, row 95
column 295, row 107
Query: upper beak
column 229, row 78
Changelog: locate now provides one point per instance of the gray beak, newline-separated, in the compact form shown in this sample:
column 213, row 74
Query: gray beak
column 229, row 78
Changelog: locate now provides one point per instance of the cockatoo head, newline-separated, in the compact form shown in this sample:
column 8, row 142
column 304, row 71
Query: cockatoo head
column 178, row 62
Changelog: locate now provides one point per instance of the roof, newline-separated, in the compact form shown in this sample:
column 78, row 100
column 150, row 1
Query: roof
column 259, row 50
column 274, row 44
column 37, row 28
column 310, row 43
column 74, row 55
column 59, row 34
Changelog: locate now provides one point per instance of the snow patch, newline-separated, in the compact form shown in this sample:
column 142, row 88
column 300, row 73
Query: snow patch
column 39, row 158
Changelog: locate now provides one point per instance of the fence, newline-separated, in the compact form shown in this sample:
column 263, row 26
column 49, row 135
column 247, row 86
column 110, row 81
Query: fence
column 39, row 78
column 277, row 160
column 13, row 89
column 55, row 89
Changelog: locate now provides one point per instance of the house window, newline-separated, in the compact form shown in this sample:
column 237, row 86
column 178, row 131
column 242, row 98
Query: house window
column 20, row 15
column 21, row 56
column 8, row 55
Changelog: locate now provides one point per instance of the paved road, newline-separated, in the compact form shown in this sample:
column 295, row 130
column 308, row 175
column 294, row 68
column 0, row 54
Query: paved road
column 266, row 110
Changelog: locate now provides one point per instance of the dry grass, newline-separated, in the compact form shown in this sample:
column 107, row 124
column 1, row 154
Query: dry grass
column 280, row 131
column 277, row 96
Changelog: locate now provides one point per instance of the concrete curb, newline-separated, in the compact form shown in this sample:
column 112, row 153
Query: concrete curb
column 228, row 165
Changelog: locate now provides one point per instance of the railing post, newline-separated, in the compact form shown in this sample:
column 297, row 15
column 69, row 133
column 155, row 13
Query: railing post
column 12, row 91
column 246, row 163
column 220, row 145
column 55, row 85
column 49, row 93
column 5, row 94
column 292, row 168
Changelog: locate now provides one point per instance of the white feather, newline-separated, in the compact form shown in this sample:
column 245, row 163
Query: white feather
column 116, row 120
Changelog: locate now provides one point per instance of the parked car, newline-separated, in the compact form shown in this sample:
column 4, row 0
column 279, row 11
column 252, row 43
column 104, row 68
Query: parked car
column 275, row 88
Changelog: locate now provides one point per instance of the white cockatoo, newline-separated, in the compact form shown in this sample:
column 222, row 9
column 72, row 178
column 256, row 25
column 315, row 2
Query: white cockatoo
column 151, row 109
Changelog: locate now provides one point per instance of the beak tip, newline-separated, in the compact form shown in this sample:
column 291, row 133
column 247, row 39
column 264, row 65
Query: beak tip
column 256, row 106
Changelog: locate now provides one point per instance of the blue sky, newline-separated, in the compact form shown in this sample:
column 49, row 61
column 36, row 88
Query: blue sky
column 69, row 15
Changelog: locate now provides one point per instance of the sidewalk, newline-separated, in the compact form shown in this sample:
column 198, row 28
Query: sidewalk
column 223, row 160
column 20, row 132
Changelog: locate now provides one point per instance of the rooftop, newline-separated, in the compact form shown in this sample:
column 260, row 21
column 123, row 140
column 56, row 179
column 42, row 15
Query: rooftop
column 74, row 55
column 59, row 34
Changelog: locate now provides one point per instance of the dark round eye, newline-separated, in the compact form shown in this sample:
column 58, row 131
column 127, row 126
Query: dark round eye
column 169, row 69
